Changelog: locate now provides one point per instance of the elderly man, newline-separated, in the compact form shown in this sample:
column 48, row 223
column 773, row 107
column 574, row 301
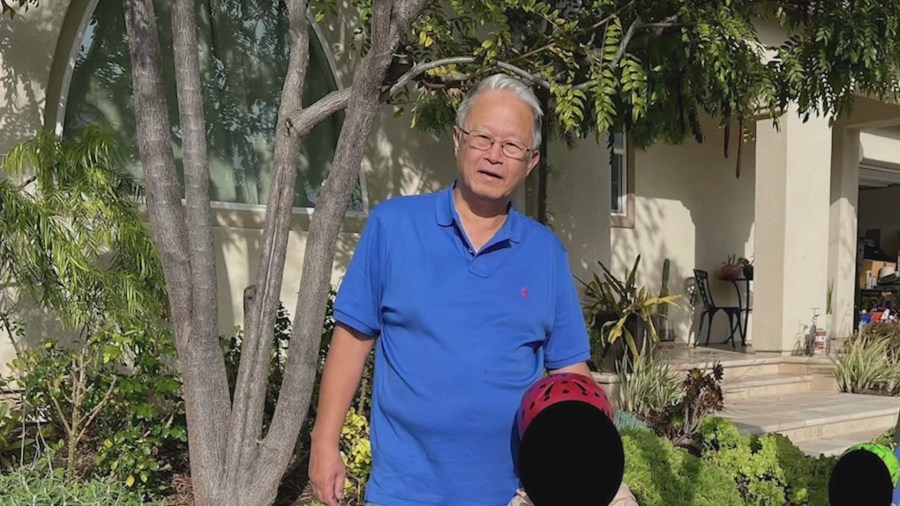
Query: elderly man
column 468, row 303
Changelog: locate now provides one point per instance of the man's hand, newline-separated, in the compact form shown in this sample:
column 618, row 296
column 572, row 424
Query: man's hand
column 327, row 474
column 579, row 368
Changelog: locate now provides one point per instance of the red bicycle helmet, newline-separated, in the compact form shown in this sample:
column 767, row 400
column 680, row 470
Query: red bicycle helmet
column 569, row 449
column 558, row 388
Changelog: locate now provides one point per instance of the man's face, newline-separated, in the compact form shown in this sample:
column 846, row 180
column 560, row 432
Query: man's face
column 491, row 173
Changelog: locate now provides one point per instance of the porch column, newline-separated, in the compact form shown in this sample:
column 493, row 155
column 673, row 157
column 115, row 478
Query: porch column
column 843, row 229
column 793, row 179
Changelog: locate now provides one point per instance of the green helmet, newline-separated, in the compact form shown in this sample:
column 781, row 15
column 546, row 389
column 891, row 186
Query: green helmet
column 885, row 454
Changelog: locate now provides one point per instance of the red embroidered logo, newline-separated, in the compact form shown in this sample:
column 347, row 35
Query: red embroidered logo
column 524, row 292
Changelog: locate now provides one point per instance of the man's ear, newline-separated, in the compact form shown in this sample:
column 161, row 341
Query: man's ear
column 456, row 138
column 532, row 162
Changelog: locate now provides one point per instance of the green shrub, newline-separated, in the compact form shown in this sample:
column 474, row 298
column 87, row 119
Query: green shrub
column 886, row 438
column 768, row 469
column 661, row 474
column 356, row 451
column 39, row 484
column 650, row 387
column 751, row 463
column 806, row 477
column 867, row 366
column 119, row 388
column 883, row 331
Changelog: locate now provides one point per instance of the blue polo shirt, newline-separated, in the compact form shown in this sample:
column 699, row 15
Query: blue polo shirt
column 460, row 336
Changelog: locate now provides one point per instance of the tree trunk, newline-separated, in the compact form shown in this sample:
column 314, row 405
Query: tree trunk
column 201, row 362
column 232, row 462
column 388, row 22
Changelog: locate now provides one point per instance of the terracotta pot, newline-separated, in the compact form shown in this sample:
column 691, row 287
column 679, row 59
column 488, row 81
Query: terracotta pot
column 730, row 272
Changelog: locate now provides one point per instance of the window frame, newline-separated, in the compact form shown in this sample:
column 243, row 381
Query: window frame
column 64, row 62
column 626, row 184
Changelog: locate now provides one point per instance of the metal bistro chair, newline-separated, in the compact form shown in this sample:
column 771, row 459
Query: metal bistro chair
column 710, row 309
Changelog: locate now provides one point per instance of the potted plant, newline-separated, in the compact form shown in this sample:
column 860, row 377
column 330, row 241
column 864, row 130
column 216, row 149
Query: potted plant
column 730, row 269
column 620, row 315
column 746, row 267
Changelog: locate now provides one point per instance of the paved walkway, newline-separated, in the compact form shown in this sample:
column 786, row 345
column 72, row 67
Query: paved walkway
column 818, row 422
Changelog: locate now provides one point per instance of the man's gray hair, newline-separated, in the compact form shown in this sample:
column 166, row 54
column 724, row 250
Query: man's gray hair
column 504, row 82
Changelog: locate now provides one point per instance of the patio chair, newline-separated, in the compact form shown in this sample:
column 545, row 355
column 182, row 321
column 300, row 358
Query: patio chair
column 710, row 309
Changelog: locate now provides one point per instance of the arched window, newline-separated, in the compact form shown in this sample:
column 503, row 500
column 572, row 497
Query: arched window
column 244, row 49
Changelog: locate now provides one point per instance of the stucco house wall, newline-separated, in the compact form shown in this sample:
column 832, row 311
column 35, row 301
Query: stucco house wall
column 687, row 204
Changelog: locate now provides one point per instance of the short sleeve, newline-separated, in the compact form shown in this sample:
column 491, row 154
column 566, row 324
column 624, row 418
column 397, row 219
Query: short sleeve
column 358, row 300
column 568, row 342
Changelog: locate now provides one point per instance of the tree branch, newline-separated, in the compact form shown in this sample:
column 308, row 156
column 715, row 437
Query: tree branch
column 623, row 44
column 206, row 353
column 153, row 137
column 626, row 40
column 591, row 28
column 27, row 182
column 300, row 122
column 300, row 366
column 405, row 13
column 245, row 424
column 523, row 73
column 421, row 68
column 62, row 414
column 94, row 412
column 157, row 160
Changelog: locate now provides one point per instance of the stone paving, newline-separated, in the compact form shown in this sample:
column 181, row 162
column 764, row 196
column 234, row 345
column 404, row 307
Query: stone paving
column 809, row 410
column 818, row 419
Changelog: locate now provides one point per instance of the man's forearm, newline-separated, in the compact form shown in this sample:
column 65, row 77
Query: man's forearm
column 340, row 379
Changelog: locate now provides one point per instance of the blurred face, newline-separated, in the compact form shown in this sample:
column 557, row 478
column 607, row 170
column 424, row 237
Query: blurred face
column 493, row 149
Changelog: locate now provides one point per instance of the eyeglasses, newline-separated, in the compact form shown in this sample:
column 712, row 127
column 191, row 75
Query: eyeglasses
column 484, row 142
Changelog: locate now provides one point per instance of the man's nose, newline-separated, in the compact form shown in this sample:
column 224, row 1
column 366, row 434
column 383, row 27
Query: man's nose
column 495, row 153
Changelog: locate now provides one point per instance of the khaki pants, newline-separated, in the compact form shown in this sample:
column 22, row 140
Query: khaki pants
column 623, row 497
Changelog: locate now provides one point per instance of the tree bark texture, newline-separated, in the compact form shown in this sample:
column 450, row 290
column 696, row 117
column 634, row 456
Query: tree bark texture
column 204, row 405
column 232, row 461
column 243, row 479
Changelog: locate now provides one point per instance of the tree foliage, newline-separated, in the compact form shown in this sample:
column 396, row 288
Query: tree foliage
column 71, row 235
column 653, row 67
column 12, row 7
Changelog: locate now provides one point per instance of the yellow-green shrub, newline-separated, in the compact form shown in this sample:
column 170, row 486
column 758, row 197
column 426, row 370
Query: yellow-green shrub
column 357, row 453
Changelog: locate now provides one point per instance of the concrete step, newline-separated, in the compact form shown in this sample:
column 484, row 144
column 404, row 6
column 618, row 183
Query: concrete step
column 813, row 415
column 836, row 445
column 766, row 385
column 734, row 368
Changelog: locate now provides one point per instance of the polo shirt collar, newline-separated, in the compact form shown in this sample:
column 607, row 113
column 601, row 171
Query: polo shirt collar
column 446, row 215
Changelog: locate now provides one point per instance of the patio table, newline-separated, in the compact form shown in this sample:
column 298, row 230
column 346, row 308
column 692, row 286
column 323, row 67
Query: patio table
column 745, row 305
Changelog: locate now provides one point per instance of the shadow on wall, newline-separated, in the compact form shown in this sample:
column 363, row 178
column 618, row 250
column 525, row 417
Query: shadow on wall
column 24, row 71
column 655, row 239
column 578, row 202
column 37, row 325
column 690, row 208
column 398, row 161
column 724, row 213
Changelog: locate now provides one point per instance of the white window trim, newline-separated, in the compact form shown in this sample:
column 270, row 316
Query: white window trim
column 623, row 178
column 625, row 218
column 214, row 204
